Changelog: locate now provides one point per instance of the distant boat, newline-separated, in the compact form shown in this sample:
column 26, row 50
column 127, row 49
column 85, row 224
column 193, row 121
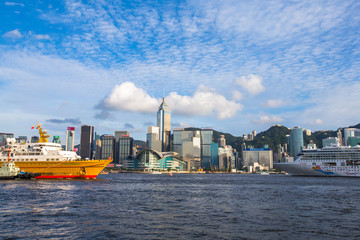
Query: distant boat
column 155, row 172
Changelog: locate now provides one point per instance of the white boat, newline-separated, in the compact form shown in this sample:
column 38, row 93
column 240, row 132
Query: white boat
column 8, row 170
column 329, row 161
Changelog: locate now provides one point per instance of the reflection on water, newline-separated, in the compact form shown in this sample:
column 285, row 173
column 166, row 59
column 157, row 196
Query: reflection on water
column 209, row 206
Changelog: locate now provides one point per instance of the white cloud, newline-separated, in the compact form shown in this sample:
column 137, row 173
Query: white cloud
column 42, row 36
column 14, row 4
column 273, row 103
column 205, row 102
column 252, row 83
column 316, row 122
column 266, row 119
column 237, row 96
column 14, row 34
column 128, row 97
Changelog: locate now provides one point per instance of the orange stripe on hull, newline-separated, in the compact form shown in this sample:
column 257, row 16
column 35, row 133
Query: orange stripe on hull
column 66, row 176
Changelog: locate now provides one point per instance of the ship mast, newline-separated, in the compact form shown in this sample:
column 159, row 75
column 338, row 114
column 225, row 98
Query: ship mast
column 43, row 133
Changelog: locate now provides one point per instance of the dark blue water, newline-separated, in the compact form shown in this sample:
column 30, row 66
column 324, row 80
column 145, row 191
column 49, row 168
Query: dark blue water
column 187, row 206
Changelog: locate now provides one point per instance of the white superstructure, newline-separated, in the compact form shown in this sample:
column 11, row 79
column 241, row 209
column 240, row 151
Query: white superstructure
column 36, row 152
column 328, row 161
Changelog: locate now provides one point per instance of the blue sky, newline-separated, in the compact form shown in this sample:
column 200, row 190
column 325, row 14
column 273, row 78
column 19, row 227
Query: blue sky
column 235, row 66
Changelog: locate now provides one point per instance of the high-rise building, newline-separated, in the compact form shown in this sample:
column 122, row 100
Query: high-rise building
column 330, row 141
column 34, row 139
column 206, row 141
column 257, row 159
column 254, row 133
column 56, row 139
column 221, row 141
column 21, row 139
column 70, row 139
column 296, row 141
column 4, row 136
column 107, row 146
column 87, row 142
column 350, row 132
column 164, row 124
column 153, row 139
column 123, row 147
column 339, row 136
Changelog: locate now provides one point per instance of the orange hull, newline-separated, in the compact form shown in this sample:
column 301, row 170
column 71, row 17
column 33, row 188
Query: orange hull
column 64, row 169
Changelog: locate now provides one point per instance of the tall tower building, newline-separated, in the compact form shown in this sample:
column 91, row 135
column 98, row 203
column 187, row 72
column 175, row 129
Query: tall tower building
column 70, row 139
column 221, row 141
column 339, row 136
column 123, row 147
column 87, row 142
column 164, row 123
column 296, row 141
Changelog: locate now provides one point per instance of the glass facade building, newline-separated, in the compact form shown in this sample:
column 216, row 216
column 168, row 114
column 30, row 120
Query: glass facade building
column 4, row 136
column 87, row 142
column 70, row 139
column 164, row 124
column 107, row 146
column 296, row 141
column 206, row 137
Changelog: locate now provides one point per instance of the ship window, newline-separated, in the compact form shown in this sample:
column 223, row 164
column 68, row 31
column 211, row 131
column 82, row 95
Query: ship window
column 329, row 164
column 342, row 164
column 314, row 164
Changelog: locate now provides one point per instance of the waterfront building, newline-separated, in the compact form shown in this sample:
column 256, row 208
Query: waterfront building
column 21, row 139
column 350, row 132
column 150, row 160
column 4, row 136
column 153, row 138
column 70, row 139
column 188, row 145
column 311, row 145
column 214, row 156
column 226, row 158
column 98, row 148
column 123, row 147
column 296, row 141
column 221, row 141
column 353, row 141
column 56, row 139
column 257, row 159
column 35, row 139
column 330, row 141
column 339, row 136
column 107, row 146
column 206, row 139
column 87, row 142
column 164, row 124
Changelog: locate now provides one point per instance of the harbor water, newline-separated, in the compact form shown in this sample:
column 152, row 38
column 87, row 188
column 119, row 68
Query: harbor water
column 182, row 206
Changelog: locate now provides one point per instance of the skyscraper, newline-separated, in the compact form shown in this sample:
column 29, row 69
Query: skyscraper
column 221, row 141
column 70, row 137
column 296, row 141
column 123, row 147
column 164, row 123
column 107, row 146
column 206, row 141
column 87, row 141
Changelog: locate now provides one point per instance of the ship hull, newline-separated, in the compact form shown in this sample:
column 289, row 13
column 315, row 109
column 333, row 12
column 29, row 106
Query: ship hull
column 88, row 169
column 297, row 169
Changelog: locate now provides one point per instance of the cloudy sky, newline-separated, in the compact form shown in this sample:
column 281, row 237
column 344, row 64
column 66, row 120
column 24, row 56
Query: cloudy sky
column 235, row 66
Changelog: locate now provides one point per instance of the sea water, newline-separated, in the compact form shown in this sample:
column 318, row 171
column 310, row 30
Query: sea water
column 182, row 206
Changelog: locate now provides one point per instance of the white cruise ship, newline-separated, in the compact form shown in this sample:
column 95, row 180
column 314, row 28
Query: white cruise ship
column 329, row 161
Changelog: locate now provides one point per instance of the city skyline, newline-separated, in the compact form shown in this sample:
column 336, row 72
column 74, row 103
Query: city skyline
column 234, row 66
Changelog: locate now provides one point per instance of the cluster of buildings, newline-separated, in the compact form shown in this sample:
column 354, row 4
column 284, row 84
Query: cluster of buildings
column 186, row 149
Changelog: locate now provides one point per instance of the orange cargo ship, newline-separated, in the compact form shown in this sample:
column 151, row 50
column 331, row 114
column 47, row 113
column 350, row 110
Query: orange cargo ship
column 49, row 159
